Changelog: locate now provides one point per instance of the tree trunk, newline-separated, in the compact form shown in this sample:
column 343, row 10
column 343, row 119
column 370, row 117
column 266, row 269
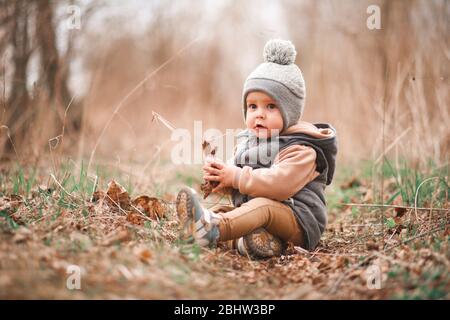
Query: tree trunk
column 19, row 98
column 52, row 77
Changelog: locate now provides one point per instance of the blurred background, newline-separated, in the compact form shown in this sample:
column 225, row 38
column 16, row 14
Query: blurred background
column 78, row 76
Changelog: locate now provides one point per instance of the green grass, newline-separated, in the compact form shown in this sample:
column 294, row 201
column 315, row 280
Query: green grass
column 40, row 192
column 11, row 223
column 189, row 178
column 19, row 181
column 431, row 184
column 430, row 284
column 179, row 259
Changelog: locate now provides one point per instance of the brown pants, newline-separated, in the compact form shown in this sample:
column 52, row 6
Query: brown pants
column 276, row 217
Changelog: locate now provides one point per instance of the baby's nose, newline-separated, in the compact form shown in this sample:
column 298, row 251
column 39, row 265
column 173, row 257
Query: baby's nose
column 260, row 113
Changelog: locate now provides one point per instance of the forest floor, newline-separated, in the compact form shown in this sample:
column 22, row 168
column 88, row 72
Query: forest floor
column 61, row 240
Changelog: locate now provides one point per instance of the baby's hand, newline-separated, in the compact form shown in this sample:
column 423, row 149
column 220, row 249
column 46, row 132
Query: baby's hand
column 220, row 172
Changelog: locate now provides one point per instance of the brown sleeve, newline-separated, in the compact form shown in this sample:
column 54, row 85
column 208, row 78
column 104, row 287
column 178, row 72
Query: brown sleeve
column 293, row 168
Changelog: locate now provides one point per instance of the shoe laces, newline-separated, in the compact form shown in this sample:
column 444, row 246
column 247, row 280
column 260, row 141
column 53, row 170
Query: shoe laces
column 210, row 219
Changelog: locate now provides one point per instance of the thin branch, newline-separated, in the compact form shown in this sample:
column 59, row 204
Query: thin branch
column 158, row 117
column 417, row 195
column 10, row 140
column 122, row 102
column 59, row 137
column 62, row 188
column 420, row 235
column 392, row 145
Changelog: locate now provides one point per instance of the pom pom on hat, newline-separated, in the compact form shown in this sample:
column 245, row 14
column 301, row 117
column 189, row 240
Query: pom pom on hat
column 279, row 51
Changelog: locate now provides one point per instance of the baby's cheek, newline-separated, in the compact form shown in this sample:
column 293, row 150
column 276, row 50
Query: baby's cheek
column 248, row 122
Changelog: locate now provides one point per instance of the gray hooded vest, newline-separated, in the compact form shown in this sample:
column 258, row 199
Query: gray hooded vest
column 308, row 204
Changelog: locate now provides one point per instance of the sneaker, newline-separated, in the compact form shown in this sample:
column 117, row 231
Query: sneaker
column 260, row 244
column 198, row 224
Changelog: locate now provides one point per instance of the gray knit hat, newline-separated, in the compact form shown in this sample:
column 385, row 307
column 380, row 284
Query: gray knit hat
column 281, row 79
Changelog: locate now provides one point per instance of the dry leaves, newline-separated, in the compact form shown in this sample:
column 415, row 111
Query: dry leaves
column 152, row 207
column 351, row 183
column 117, row 236
column 136, row 210
column 209, row 152
column 117, row 196
column 102, row 237
column 22, row 234
column 10, row 203
column 135, row 218
column 143, row 253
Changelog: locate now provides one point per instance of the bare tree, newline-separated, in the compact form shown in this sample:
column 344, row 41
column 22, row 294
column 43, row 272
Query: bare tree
column 20, row 40
column 53, row 73
column 28, row 30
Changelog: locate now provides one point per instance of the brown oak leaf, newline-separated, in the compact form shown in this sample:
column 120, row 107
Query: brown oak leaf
column 209, row 152
column 117, row 196
column 150, row 206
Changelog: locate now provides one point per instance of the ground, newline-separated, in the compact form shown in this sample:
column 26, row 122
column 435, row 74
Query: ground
column 127, row 247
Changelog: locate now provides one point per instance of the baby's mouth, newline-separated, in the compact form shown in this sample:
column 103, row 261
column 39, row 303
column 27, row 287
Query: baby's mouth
column 260, row 126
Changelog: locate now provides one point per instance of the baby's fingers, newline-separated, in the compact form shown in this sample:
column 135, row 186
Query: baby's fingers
column 212, row 178
column 212, row 171
column 217, row 165
column 207, row 165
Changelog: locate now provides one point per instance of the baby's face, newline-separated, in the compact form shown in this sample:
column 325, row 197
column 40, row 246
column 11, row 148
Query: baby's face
column 263, row 115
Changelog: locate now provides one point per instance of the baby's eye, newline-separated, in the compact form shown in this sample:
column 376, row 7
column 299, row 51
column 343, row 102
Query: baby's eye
column 252, row 106
column 271, row 106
